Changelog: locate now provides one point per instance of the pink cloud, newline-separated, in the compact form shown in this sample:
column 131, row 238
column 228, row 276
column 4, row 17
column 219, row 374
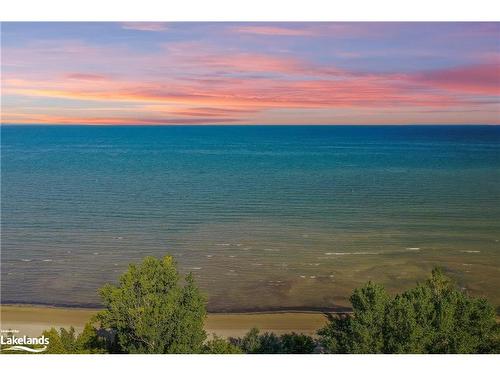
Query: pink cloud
column 481, row 79
column 239, row 94
column 195, row 83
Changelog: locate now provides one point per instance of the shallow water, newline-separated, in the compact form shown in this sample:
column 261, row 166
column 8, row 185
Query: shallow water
column 265, row 217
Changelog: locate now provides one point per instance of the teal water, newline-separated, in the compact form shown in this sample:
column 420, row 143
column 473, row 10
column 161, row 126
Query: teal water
column 266, row 217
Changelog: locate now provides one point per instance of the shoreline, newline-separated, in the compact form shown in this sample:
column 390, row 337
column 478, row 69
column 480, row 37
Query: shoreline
column 30, row 319
column 278, row 310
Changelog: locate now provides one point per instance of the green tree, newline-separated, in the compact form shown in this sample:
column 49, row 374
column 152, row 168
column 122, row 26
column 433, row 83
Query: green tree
column 337, row 336
column 296, row 343
column 255, row 343
column 250, row 343
column 151, row 311
column 362, row 332
column 270, row 343
column 218, row 345
column 67, row 342
column 433, row 317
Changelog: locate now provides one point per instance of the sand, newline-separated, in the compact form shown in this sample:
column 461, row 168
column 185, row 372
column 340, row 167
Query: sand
column 32, row 320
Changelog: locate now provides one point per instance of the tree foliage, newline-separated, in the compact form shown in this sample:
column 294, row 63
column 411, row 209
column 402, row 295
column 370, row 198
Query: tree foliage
column 67, row 342
column 218, row 345
column 151, row 311
column 154, row 310
column 270, row 343
column 297, row 343
column 433, row 317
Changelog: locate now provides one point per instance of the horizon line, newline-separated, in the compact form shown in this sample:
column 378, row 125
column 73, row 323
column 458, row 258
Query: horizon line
column 245, row 125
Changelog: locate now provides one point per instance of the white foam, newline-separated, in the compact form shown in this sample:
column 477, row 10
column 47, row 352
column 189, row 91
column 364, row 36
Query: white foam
column 470, row 251
column 223, row 244
column 209, row 256
column 196, row 268
column 271, row 249
column 302, row 276
column 232, row 256
column 25, row 260
column 47, row 260
column 360, row 253
column 413, row 248
column 312, row 277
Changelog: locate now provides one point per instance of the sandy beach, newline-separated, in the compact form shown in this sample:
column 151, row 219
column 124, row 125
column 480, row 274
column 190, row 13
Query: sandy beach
column 32, row 320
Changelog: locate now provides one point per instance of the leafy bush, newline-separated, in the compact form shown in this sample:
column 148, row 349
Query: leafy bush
column 269, row 343
column 218, row 345
column 297, row 343
column 67, row 342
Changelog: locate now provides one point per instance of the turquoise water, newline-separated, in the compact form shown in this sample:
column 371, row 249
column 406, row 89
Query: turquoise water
column 266, row 217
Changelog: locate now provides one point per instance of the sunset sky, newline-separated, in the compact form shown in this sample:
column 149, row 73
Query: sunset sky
column 250, row 73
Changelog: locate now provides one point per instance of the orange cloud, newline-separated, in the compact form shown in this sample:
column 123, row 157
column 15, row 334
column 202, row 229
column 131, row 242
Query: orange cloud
column 86, row 77
column 23, row 118
column 240, row 95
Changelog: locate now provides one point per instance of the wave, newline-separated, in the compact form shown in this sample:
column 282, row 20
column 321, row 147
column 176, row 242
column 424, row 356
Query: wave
column 358, row 253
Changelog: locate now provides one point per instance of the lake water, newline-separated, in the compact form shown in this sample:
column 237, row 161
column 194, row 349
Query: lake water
column 266, row 217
